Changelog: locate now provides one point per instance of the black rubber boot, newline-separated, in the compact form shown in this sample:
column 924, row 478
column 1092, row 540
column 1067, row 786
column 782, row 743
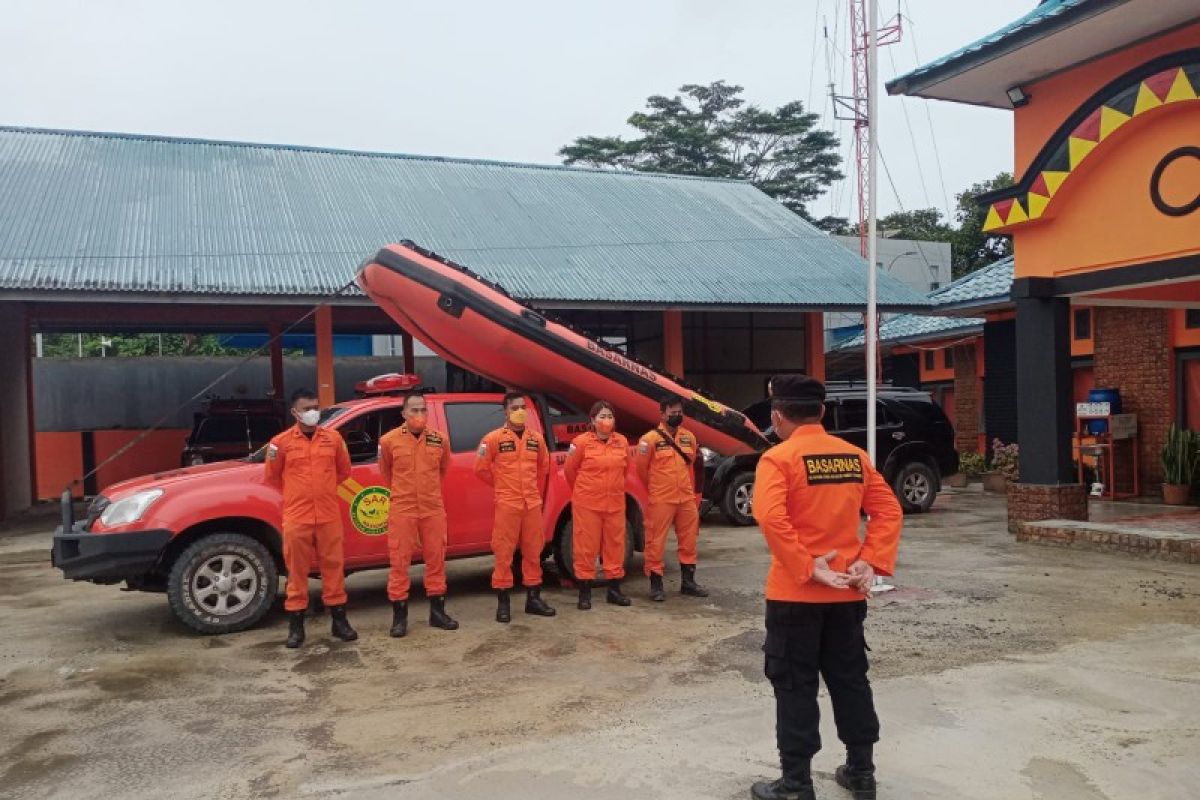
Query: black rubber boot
column 657, row 593
column 503, row 608
column 585, row 596
column 399, row 619
column 783, row 789
column 341, row 626
column 438, row 618
column 858, row 773
column 534, row 604
column 614, row 595
column 687, row 583
column 295, row 629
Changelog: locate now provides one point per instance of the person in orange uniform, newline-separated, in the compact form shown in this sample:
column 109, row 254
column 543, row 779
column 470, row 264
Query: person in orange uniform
column 809, row 491
column 413, row 460
column 595, row 469
column 307, row 462
column 664, row 463
column 514, row 461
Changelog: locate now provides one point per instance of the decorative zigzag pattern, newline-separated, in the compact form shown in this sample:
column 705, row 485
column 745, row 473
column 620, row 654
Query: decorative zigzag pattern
column 1173, row 85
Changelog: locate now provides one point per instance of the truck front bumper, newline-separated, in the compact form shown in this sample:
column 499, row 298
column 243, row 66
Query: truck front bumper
column 107, row 557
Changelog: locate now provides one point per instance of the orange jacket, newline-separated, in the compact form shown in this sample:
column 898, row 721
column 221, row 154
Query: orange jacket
column 412, row 468
column 596, row 471
column 667, row 477
column 808, row 492
column 514, row 465
column 308, row 472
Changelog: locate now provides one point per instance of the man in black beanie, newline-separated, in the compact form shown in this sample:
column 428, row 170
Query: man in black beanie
column 809, row 491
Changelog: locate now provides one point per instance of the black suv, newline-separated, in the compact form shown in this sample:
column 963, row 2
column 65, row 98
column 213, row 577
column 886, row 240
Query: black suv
column 914, row 444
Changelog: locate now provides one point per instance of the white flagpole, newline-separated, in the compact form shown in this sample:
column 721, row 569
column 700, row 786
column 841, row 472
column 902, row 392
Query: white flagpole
column 872, row 329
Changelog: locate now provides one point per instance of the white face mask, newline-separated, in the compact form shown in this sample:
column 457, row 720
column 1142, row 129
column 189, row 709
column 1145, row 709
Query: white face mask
column 310, row 418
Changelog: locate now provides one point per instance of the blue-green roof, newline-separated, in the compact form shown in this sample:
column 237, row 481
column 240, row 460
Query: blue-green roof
column 100, row 212
column 987, row 287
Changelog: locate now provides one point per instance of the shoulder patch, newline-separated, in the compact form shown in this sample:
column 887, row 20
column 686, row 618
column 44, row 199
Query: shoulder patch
column 834, row 468
column 482, row 452
column 272, row 451
column 571, row 449
column 643, row 447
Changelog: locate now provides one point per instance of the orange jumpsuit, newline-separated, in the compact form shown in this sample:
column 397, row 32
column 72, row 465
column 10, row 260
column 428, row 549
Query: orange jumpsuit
column 596, row 472
column 412, row 468
column 672, row 493
column 308, row 471
column 808, row 492
column 515, row 465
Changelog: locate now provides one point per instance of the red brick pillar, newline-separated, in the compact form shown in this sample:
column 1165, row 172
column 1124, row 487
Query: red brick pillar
column 966, row 399
column 1133, row 355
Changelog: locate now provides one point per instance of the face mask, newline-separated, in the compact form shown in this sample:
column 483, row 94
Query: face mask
column 310, row 418
column 518, row 416
column 605, row 425
column 675, row 420
column 416, row 422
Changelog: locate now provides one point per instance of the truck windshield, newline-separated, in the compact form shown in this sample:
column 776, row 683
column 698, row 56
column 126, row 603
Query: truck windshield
column 221, row 429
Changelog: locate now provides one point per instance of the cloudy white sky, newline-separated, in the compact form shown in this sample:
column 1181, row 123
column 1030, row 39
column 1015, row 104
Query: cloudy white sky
column 475, row 78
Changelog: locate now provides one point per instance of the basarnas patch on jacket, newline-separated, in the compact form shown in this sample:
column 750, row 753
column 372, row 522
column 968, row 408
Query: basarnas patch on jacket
column 643, row 447
column 482, row 452
column 531, row 444
column 272, row 452
column 507, row 447
column 834, row 468
column 433, row 440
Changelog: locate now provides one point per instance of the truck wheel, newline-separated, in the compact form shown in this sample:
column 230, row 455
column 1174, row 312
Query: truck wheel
column 564, row 550
column 737, row 501
column 916, row 487
column 222, row 583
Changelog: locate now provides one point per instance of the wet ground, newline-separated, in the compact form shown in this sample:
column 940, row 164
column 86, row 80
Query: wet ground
column 1001, row 670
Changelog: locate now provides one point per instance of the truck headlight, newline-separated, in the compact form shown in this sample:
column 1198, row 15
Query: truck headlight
column 129, row 509
column 709, row 456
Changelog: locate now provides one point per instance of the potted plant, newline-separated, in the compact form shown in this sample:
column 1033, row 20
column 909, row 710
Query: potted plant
column 970, row 466
column 1180, row 460
column 1005, row 467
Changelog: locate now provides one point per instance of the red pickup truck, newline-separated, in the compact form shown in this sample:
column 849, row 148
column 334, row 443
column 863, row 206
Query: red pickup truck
column 209, row 536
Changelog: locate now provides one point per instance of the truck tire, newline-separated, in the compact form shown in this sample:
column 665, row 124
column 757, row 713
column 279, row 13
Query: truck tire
column 736, row 500
column 564, row 550
column 222, row 583
column 916, row 487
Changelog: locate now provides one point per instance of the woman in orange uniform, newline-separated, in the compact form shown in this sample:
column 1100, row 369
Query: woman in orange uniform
column 595, row 469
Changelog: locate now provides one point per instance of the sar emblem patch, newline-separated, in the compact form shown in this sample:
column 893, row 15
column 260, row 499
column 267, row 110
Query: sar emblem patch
column 482, row 452
column 834, row 468
column 272, row 452
column 643, row 447
column 369, row 510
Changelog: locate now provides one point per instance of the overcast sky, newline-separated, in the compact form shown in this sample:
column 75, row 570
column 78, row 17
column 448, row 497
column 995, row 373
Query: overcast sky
column 512, row 81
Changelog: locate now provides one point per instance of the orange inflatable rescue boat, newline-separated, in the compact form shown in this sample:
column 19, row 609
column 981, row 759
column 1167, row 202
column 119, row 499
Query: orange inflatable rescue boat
column 474, row 324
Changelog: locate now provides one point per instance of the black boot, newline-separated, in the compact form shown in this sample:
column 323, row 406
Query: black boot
column 687, row 582
column 585, row 596
column 503, row 610
column 657, row 593
column 295, row 629
column 858, row 773
column 438, row 618
column 534, row 604
column 399, row 619
column 614, row 594
column 341, row 626
column 783, row 789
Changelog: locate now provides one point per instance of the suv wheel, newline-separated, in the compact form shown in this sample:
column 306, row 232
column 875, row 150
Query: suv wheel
column 737, row 500
column 916, row 487
column 564, row 551
column 222, row 583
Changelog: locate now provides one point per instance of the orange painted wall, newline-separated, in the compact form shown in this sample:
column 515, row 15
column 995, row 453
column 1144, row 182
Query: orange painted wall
column 940, row 371
column 60, row 457
column 1103, row 216
column 1057, row 97
column 1182, row 336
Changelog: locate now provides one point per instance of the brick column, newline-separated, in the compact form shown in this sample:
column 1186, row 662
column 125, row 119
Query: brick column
column 1133, row 355
column 966, row 399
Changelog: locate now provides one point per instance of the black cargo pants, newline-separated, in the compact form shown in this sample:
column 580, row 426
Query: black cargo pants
column 804, row 640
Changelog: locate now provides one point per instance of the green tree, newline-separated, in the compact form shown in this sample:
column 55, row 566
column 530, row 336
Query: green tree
column 710, row 131
column 925, row 224
column 972, row 248
column 67, row 345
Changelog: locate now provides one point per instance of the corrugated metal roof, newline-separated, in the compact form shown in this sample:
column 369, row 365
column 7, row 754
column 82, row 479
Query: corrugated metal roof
column 1044, row 13
column 123, row 213
column 916, row 328
column 990, row 284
